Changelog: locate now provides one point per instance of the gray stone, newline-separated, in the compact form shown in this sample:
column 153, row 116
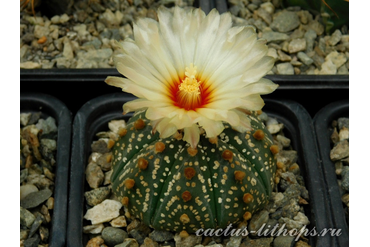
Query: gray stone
column 30, row 65
column 297, row 45
column 47, row 126
column 284, row 241
column 64, row 18
column 304, row 58
column 24, row 174
column 26, row 217
column 95, row 42
column 96, row 196
column 138, row 235
column 93, row 229
column 104, row 161
column 149, row 243
column 99, row 146
column 63, row 63
column 28, row 38
column 285, row 21
column 274, row 36
column 343, row 122
column 161, row 236
column 40, row 181
column 234, row 241
column 310, row 37
column 67, row 49
column 41, row 31
column 189, row 241
column 111, row 19
column 345, row 178
column 340, row 151
column 317, row 27
column 285, row 69
column 129, row 242
column 36, row 225
column 24, row 118
column 35, row 198
column 283, row 57
column 335, row 37
column 23, row 234
column 328, row 68
column 94, row 175
column 338, row 59
column 297, row 222
column 27, row 189
column 258, row 242
column 257, row 221
column 32, row 242
column 50, row 144
column 113, row 236
column 44, row 234
column 266, row 16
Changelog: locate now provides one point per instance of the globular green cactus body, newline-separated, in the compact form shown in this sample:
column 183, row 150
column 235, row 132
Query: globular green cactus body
column 171, row 186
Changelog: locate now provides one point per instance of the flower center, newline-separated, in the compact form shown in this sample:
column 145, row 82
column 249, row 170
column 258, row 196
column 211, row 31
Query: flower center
column 189, row 95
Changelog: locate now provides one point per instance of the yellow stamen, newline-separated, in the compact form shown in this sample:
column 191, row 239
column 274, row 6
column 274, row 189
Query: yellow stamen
column 189, row 90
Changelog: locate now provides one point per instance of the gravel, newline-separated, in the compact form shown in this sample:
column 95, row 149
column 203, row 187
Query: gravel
column 37, row 167
column 339, row 154
column 85, row 36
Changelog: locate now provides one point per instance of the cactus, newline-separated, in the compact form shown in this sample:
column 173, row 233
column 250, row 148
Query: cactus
column 171, row 186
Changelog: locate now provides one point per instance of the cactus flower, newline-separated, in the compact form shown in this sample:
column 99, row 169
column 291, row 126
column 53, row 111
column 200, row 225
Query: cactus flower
column 193, row 72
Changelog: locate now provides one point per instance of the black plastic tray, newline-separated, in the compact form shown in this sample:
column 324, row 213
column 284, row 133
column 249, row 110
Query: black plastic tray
column 53, row 107
column 311, row 91
column 322, row 123
column 95, row 115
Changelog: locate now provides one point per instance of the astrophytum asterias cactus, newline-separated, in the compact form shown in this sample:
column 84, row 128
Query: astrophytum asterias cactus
column 195, row 154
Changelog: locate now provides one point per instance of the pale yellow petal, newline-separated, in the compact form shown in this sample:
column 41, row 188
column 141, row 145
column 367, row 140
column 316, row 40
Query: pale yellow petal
column 165, row 128
column 192, row 135
column 212, row 128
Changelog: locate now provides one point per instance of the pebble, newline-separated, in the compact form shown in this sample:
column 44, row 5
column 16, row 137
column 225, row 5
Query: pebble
column 340, row 151
column 304, row 58
column 161, row 236
column 113, row 236
column 345, row 178
column 338, row 59
column 259, row 242
column 149, row 243
column 96, row 196
column 234, row 241
column 95, row 242
column 285, row 69
column 284, row 241
column 257, row 220
column 328, row 68
column 93, row 229
column 89, row 34
column 129, row 242
column 38, row 146
column 301, row 243
column 343, row 122
column 36, row 224
column 343, row 134
column 32, row 242
column 103, row 212
column 297, row 45
column 274, row 36
column 119, row 222
column 36, row 198
column 285, row 21
column 189, row 241
column 94, row 175
column 27, row 189
column 26, row 217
